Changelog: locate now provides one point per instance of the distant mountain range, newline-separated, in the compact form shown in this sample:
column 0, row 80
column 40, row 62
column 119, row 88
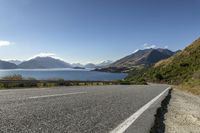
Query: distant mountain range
column 77, row 65
column 47, row 63
column 105, row 63
column 90, row 65
column 146, row 57
column 7, row 65
column 17, row 62
column 141, row 58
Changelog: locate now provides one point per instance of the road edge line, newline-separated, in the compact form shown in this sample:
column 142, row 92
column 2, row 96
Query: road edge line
column 129, row 121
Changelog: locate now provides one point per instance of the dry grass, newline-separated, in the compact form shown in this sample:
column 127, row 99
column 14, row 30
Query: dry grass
column 13, row 77
column 191, row 89
column 186, row 52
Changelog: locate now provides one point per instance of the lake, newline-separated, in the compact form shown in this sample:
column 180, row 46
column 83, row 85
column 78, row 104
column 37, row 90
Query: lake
column 66, row 74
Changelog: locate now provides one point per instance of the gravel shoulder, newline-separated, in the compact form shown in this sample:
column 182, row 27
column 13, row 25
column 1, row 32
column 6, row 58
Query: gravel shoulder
column 183, row 113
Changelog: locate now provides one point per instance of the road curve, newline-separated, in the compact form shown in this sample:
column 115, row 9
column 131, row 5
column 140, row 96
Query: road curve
column 95, row 109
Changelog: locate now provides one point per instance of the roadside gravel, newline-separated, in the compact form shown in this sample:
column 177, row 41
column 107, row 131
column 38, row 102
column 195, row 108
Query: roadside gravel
column 183, row 113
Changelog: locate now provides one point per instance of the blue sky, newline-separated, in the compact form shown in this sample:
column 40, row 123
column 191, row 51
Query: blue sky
column 94, row 30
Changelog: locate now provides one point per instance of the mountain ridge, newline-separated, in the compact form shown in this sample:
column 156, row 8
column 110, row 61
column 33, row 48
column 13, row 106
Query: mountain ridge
column 7, row 65
column 17, row 62
column 44, row 63
column 144, row 57
column 48, row 62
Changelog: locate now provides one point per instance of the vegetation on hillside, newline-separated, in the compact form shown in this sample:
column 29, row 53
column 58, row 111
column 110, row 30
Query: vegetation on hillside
column 181, row 69
column 13, row 77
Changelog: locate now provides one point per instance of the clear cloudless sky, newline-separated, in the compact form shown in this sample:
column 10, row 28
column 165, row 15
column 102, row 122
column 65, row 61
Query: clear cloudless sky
column 95, row 30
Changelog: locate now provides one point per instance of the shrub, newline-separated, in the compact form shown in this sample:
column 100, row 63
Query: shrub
column 61, row 82
column 196, row 75
column 30, row 78
column 100, row 83
column 40, row 85
column 81, row 84
column 125, row 82
column 50, row 84
column 1, row 85
column 158, row 76
column 13, row 77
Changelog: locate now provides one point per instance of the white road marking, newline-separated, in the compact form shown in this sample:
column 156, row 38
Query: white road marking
column 56, row 95
column 128, row 122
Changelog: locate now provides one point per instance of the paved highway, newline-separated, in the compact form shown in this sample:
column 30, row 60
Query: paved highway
column 95, row 109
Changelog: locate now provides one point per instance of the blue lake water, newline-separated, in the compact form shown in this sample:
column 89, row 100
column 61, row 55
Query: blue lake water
column 67, row 74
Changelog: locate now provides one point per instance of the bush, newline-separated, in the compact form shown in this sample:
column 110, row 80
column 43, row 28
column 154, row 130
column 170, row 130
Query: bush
column 125, row 82
column 158, row 76
column 50, row 84
column 196, row 75
column 100, row 83
column 13, row 77
column 61, row 82
column 40, row 85
column 1, row 85
column 30, row 78
column 81, row 84
column 192, row 85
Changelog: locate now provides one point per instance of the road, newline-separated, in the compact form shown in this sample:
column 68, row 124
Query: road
column 95, row 109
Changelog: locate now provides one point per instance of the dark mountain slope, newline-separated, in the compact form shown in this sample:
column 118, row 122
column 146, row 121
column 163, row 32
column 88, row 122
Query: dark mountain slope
column 144, row 57
column 43, row 63
column 7, row 65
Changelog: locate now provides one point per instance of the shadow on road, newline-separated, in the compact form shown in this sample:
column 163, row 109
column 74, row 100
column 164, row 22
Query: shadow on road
column 159, row 126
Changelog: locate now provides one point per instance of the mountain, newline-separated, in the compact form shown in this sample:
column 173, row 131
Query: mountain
column 144, row 57
column 7, row 65
column 90, row 65
column 17, row 62
column 77, row 65
column 105, row 63
column 44, row 63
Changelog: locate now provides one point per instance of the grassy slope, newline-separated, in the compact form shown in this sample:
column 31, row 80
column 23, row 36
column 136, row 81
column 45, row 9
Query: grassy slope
column 182, row 68
column 178, row 68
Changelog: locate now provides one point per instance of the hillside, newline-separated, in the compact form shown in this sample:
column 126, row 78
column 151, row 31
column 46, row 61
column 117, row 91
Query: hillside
column 7, row 65
column 144, row 57
column 44, row 63
column 182, row 69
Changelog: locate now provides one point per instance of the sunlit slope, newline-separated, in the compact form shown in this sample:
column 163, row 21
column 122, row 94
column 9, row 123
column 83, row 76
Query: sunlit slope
column 180, row 67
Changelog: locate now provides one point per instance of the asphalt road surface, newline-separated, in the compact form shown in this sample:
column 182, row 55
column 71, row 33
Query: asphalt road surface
column 95, row 109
